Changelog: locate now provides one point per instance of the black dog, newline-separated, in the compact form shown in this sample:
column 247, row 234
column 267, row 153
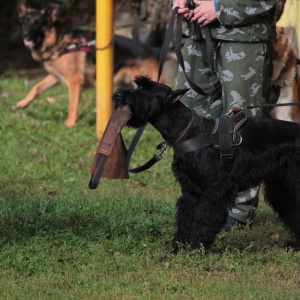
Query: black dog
column 214, row 160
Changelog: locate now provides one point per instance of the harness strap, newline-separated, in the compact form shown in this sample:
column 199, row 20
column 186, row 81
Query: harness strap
column 88, row 47
column 226, row 153
column 223, row 137
column 193, row 144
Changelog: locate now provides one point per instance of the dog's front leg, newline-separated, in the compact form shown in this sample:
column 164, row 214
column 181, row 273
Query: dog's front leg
column 39, row 88
column 75, row 87
column 198, row 220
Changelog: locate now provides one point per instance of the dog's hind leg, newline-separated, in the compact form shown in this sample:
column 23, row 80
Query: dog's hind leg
column 39, row 88
column 198, row 220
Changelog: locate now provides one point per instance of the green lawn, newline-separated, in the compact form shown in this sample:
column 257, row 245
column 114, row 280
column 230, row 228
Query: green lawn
column 60, row 240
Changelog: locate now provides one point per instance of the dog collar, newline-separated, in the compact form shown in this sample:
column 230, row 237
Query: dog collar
column 183, row 132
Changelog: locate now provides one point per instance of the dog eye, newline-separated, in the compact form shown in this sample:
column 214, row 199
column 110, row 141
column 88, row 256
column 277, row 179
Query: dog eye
column 118, row 95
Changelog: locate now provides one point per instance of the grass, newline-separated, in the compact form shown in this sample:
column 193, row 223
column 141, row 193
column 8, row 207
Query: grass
column 60, row 240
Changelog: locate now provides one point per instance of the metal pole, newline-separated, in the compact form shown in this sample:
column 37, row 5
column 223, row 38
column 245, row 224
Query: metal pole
column 104, row 63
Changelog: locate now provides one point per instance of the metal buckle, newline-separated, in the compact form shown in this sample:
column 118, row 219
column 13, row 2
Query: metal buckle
column 234, row 134
column 233, row 111
column 163, row 148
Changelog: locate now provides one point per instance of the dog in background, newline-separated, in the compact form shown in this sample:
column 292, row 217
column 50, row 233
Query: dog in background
column 255, row 150
column 69, row 56
column 285, row 79
column 133, row 58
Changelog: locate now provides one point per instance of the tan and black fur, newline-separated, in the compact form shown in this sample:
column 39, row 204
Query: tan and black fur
column 47, row 41
column 44, row 37
column 285, row 78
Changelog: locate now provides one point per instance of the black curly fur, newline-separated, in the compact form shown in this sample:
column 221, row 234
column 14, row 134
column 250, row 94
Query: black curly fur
column 269, row 153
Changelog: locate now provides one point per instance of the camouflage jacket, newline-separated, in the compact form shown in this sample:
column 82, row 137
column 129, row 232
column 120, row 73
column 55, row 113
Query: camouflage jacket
column 242, row 21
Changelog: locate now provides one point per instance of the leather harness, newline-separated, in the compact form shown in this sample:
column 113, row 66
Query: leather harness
column 224, row 137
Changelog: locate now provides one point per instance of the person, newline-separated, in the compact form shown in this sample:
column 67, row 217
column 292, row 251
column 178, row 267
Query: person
column 241, row 32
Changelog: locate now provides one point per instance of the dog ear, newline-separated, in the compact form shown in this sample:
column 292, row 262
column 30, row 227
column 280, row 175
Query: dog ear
column 176, row 95
column 22, row 8
column 52, row 12
column 142, row 81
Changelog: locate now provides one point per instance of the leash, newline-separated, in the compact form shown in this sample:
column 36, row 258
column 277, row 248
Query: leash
column 270, row 105
column 179, row 35
column 165, row 48
column 140, row 130
column 209, row 47
column 156, row 157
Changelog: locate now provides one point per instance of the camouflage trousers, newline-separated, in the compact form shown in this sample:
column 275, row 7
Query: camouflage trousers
column 242, row 77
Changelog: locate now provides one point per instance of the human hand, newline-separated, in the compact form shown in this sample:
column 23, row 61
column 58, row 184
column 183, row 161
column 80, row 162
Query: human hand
column 205, row 12
column 183, row 9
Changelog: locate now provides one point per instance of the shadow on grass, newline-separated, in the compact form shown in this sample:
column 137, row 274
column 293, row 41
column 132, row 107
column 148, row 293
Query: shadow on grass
column 93, row 217
column 101, row 217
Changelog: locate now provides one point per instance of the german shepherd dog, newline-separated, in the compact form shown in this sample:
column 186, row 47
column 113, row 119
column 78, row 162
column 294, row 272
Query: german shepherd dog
column 69, row 56
column 285, row 78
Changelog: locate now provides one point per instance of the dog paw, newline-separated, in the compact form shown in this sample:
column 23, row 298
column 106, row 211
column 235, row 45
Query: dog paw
column 70, row 123
column 21, row 104
column 293, row 245
column 162, row 256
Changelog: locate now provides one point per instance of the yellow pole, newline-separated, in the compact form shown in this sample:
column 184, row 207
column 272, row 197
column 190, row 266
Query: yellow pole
column 104, row 63
column 290, row 17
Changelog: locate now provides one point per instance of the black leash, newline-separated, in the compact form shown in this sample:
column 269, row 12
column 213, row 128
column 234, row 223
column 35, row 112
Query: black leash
column 156, row 157
column 209, row 47
column 270, row 105
column 140, row 130
column 164, row 51
column 178, row 44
